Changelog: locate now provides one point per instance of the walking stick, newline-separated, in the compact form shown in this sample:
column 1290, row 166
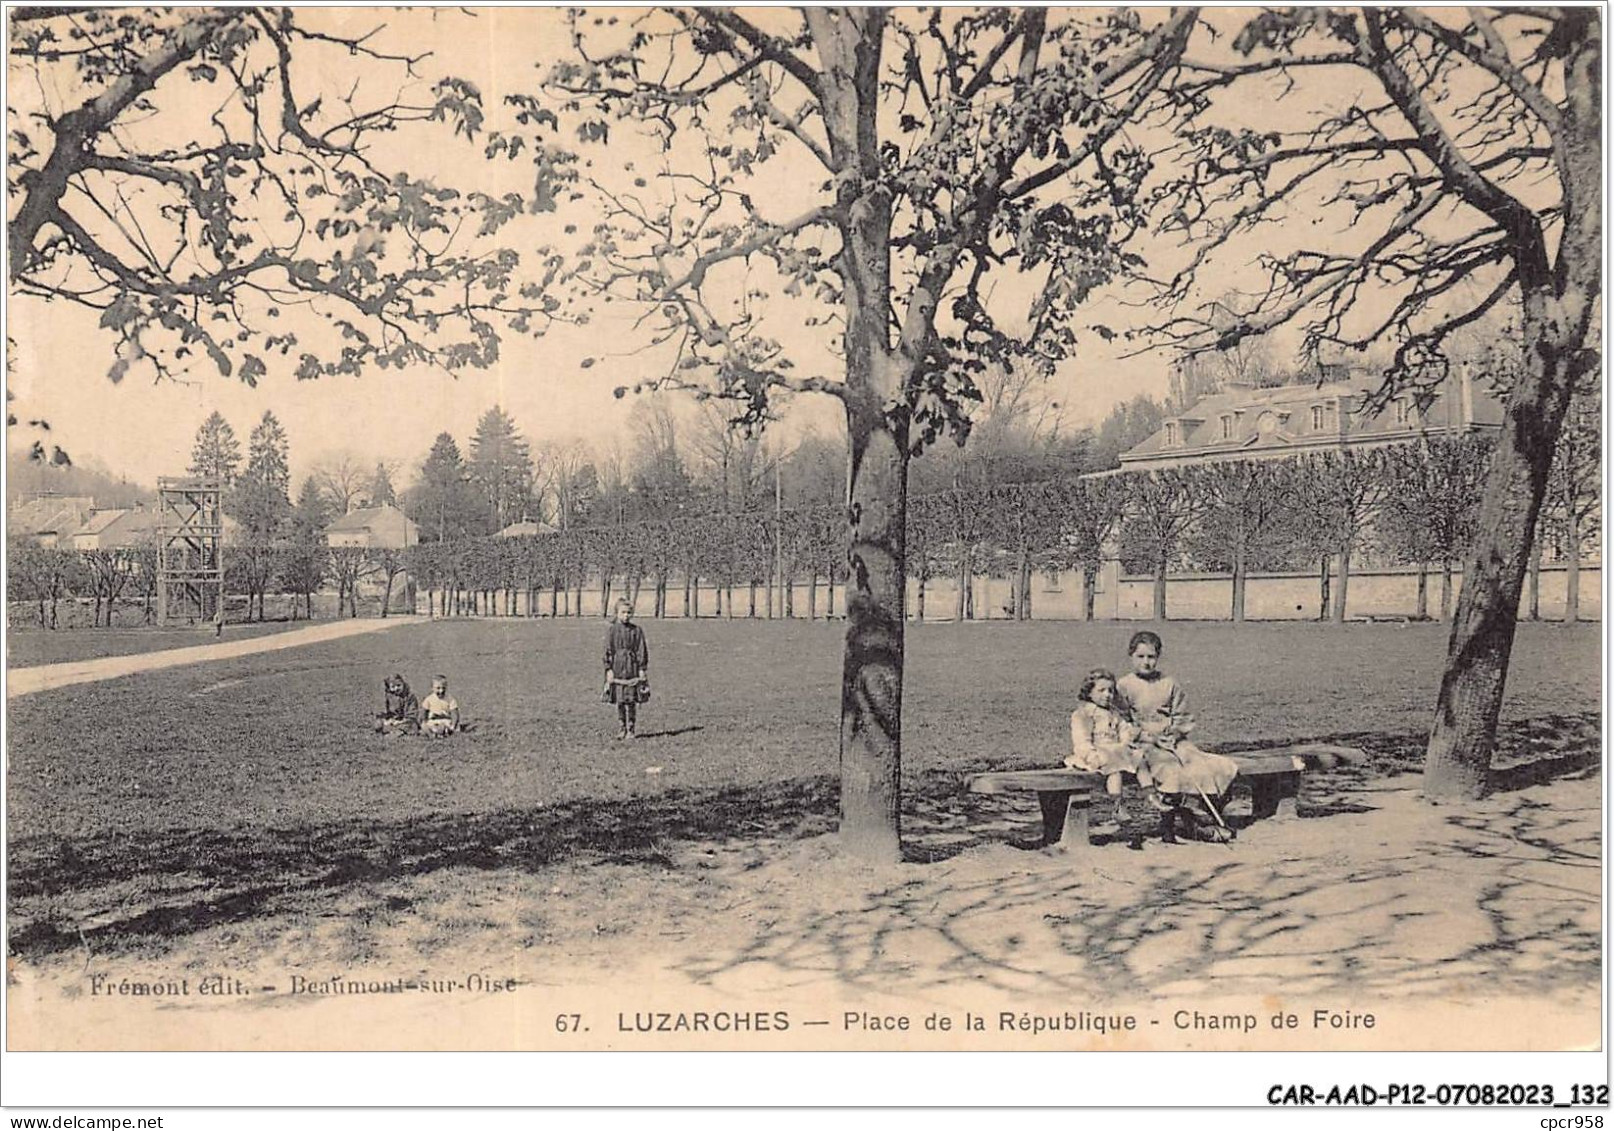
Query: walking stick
column 1203, row 796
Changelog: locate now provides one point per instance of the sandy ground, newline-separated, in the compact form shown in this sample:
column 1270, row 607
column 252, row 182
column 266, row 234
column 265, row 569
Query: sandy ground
column 44, row 677
column 1464, row 927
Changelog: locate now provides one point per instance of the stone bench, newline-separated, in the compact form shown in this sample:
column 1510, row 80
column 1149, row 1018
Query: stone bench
column 1272, row 776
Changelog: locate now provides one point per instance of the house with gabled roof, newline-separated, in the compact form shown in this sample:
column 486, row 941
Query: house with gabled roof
column 373, row 528
column 117, row 529
column 49, row 520
column 1243, row 422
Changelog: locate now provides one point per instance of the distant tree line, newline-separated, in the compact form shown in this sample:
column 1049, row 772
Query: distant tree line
column 1406, row 504
column 1410, row 504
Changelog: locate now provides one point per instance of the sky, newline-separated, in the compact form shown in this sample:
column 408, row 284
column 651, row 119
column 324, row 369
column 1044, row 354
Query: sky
column 141, row 428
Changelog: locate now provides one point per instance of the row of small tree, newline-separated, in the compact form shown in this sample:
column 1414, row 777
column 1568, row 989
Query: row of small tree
column 1410, row 504
column 43, row 577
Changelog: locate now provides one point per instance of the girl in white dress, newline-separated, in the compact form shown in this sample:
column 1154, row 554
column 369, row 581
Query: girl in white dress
column 1102, row 742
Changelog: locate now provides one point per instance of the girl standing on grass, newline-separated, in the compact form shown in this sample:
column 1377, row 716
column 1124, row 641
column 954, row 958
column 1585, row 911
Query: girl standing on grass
column 627, row 669
column 1155, row 703
column 1102, row 742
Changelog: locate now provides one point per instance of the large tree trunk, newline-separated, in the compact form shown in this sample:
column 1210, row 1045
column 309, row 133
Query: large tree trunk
column 1445, row 592
column 1458, row 760
column 1421, row 607
column 1558, row 305
column 1160, row 589
column 848, row 45
column 871, row 676
column 1326, row 570
column 1089, row 590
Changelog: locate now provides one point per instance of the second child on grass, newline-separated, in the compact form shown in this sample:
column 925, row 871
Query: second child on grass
column 439, row 711
column 627, row 669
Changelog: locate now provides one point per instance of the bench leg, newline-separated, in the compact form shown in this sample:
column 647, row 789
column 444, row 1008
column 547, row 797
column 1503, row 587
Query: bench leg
column 1064, row 819
column 1273, row 795
column 1288, row 791
column 1263, row 799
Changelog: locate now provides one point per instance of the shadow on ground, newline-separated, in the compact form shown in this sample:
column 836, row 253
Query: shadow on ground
column 1504, row 920
column 121, row 891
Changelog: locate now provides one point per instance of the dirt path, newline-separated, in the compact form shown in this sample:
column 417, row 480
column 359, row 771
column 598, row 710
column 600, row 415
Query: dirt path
column 45, row 677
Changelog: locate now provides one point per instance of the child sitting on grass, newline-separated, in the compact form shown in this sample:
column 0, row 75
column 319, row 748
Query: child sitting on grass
column 441, row 714
column 400, row 710
column 1102, row 742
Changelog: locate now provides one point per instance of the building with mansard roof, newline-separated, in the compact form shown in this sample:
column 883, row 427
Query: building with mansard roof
column 1243, row 422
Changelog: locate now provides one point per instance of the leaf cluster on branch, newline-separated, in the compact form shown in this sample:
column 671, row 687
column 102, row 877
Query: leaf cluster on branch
column 995, row 143
column 197, row 173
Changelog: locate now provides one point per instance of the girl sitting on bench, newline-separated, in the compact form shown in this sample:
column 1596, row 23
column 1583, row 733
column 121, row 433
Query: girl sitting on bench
column 1102, row 742
column 1155, row 703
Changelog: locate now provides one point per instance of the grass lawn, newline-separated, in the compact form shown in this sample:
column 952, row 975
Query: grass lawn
column 258, row 780
column 242, row 813
column 31, row 646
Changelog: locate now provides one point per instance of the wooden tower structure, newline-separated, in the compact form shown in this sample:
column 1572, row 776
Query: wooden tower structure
column 190, row 558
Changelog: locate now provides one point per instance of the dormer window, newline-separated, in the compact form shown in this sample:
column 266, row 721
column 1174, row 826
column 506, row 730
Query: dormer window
column 1227, row 427
column 1316, row 418
column 1171, row 433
